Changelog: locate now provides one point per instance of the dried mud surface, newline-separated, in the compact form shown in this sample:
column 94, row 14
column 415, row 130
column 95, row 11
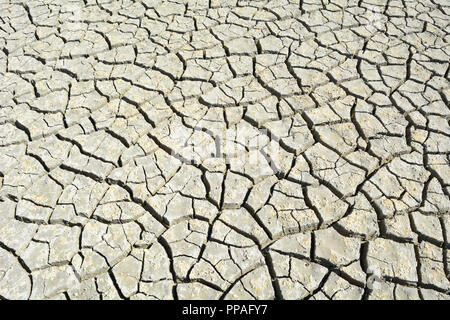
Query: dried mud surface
column 224, row 149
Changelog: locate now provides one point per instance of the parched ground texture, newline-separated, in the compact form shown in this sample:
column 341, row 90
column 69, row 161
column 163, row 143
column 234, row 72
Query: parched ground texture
column 193, row 149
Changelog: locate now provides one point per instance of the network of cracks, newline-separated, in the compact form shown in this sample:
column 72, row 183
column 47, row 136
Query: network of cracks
column 194, row 149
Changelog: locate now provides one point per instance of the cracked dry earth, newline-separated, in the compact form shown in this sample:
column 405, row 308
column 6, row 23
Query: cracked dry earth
column 224, row 149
